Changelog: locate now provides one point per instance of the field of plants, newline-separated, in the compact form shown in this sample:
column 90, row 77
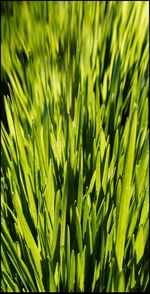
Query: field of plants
column 74, row 146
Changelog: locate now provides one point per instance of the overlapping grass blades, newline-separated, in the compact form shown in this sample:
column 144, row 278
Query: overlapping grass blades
column 75, row 146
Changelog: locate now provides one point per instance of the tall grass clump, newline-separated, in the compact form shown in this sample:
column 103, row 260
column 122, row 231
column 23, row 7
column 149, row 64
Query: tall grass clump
column 74, row 146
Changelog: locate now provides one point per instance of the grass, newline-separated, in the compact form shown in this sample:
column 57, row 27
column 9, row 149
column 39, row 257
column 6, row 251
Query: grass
column 75, row 146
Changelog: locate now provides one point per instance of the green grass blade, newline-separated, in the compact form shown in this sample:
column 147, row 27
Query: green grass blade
column 126, row 189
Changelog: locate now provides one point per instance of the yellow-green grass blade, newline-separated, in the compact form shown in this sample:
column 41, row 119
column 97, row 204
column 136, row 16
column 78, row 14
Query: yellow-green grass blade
column 126, row 190
column 72, row 272
column 20, row 265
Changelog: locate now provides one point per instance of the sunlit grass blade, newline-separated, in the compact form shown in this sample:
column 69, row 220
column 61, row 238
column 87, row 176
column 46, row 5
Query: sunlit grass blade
column 126, row 190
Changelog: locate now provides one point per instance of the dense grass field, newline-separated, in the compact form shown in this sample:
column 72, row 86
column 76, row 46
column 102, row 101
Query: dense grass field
column 74, row 146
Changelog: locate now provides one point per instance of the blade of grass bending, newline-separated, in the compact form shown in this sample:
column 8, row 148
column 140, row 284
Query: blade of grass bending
column 126, row 186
